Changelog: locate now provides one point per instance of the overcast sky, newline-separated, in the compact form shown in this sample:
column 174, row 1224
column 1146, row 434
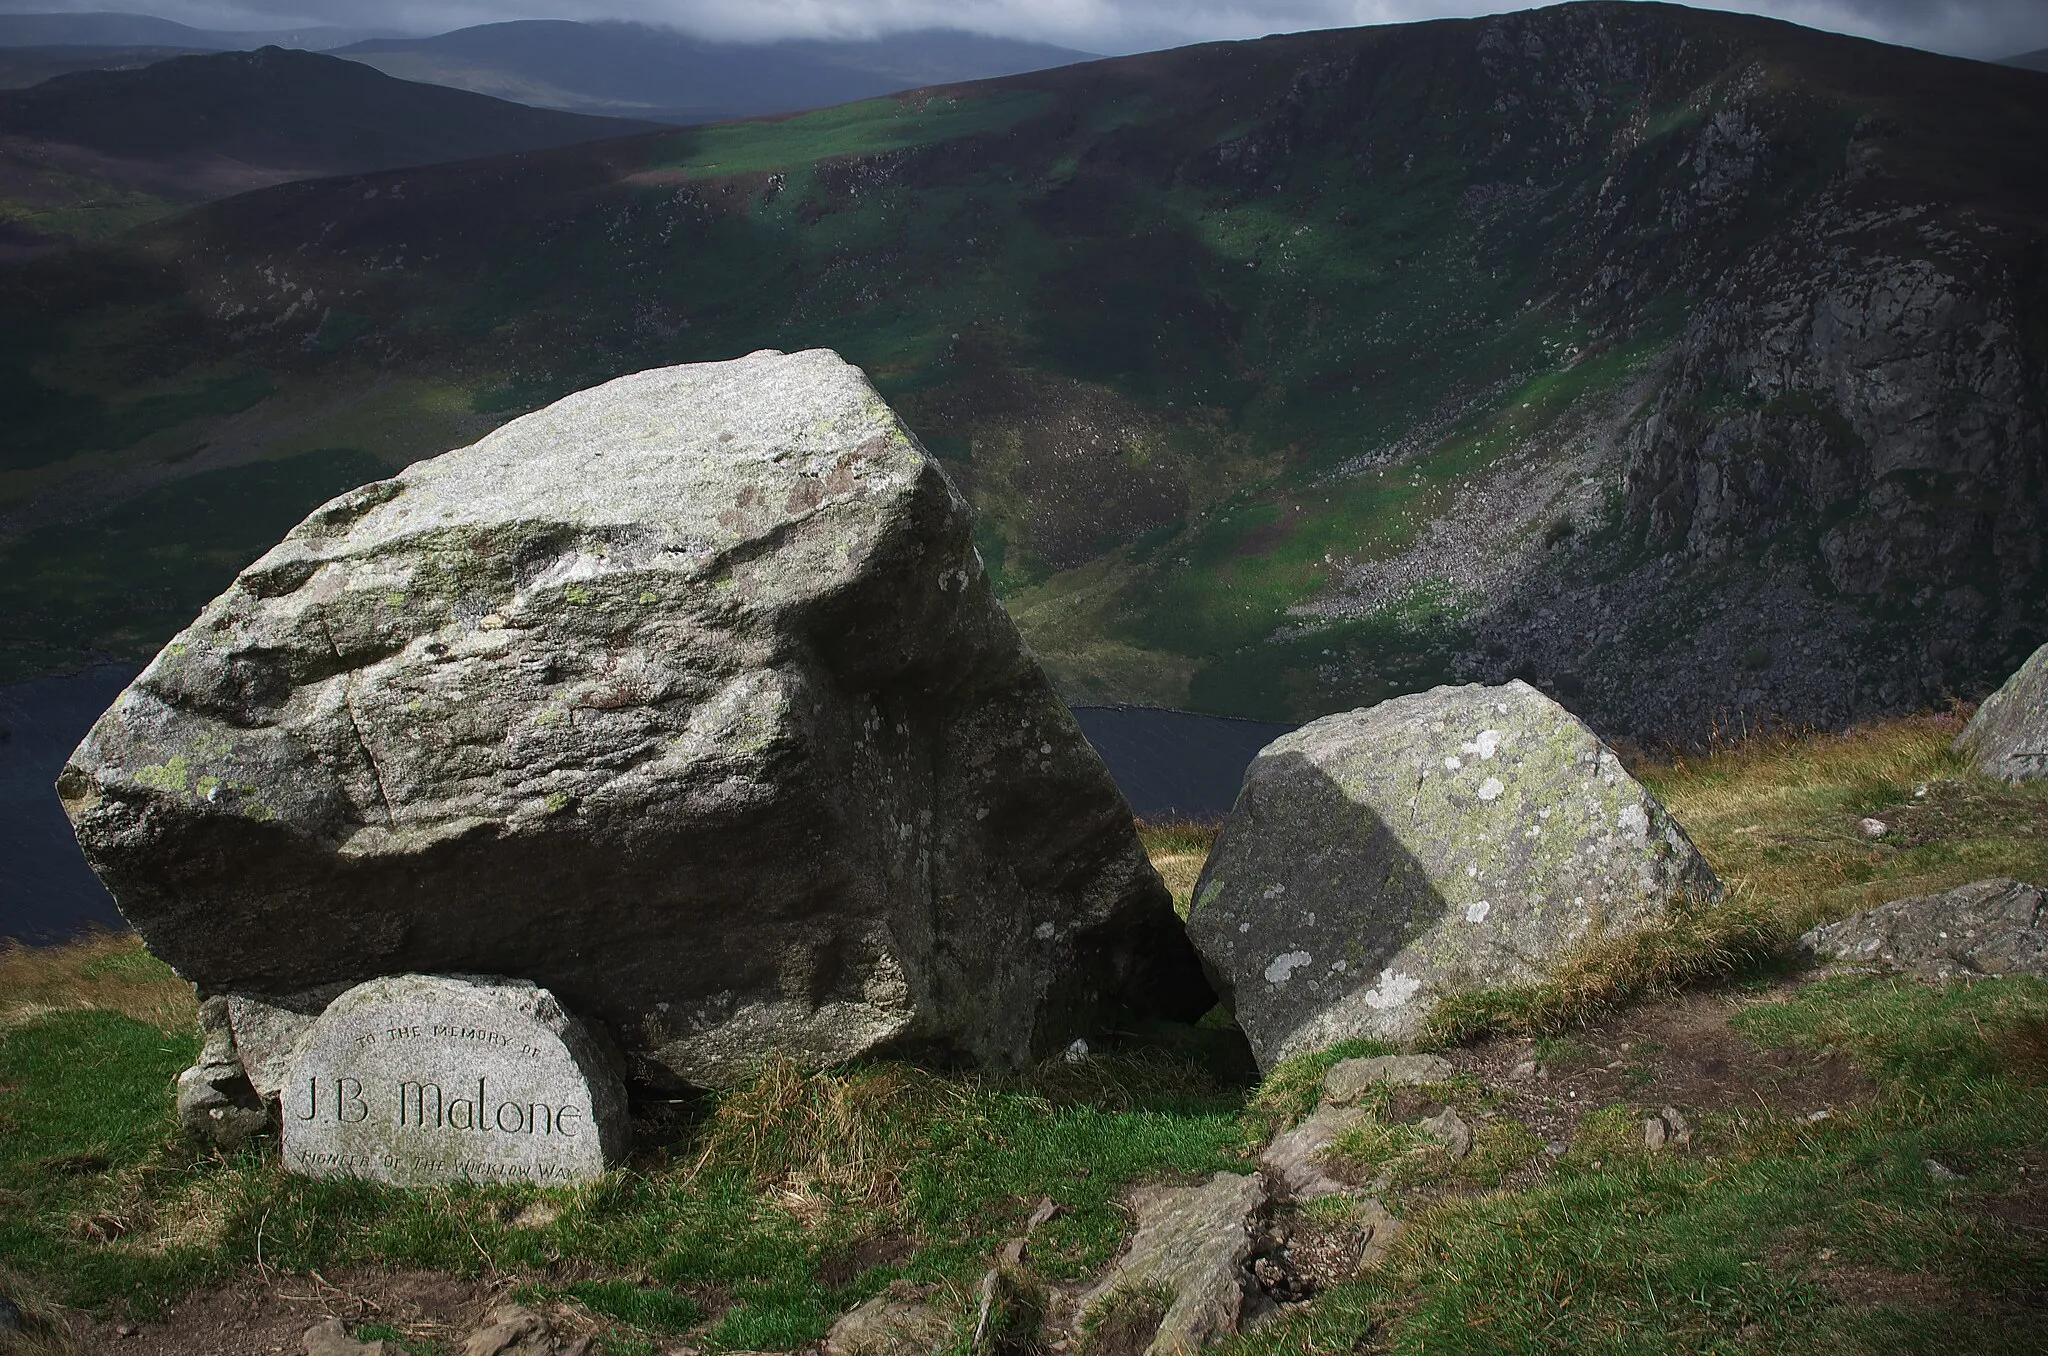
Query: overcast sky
column 1968, row 27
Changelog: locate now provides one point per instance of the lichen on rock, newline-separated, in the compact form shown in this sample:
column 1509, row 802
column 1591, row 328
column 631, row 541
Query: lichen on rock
column 1454, row 840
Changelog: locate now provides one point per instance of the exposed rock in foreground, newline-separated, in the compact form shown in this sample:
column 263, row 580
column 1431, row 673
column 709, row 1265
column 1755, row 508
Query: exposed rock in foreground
column 1988, row 927
column 1459, row 839
column 685, row 697
column 1188, row 1256
column 2008, row 737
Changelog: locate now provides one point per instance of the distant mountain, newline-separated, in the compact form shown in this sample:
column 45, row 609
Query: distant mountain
column 1691, row 366
column 21, row 67
column 94, row 151
column 108, row 29
column 2031, row 61
column 640, row 71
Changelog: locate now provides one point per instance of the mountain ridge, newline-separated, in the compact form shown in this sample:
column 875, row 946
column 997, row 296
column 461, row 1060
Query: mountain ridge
column 136, row 143
column 640, row 70
column 1617, row 347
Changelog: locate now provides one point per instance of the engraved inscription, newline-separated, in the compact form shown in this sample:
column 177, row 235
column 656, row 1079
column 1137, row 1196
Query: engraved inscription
column 424, row 1079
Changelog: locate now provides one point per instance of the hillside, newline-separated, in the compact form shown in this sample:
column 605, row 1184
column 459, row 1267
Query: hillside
column 636, row 70
column 1689, row 364
column 97, row 150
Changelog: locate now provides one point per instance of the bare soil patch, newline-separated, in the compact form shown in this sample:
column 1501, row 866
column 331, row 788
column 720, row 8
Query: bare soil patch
column 1680, row 1052
column 267, row 1313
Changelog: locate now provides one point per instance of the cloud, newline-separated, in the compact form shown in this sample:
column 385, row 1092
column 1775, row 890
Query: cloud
column 1969, row 27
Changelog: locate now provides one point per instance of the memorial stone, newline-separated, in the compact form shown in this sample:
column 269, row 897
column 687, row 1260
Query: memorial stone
column 422, row 1079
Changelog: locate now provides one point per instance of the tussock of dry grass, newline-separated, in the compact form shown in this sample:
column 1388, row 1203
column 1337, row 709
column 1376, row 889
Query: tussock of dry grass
column 810, row 1137
column 107, row 971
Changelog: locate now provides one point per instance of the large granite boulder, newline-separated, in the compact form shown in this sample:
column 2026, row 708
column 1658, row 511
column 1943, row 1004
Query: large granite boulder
column 685, row 697
column 2008, row 737
column 1459, row 839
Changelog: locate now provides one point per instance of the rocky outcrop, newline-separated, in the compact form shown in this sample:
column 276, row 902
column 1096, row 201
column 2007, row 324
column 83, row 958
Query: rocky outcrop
column 685, row 697
column 1459, row 839
column 1187, row 1262
column 1986, row 928
column 2008, row 737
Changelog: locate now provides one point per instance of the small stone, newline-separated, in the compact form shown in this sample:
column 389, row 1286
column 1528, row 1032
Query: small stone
column 901, row 1321
column 1816, row 1117
column 1293, row 1161
column 1874, row 828
column 1448, row 1128
column 329, row 1338
column 1681, row 1131
column 1350, row 1079
column 511, row 1330
column 1044, row 1212
column 1939, row 1171
column 1556, row 1148
column 1655, row 1133
column 423, row 1079
column 1524, row 1070
column 124, row 1330
column 1381, row 1231
column 1077, row 1052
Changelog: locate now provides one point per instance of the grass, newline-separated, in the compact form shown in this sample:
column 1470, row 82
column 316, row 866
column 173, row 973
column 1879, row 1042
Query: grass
column 748, row 1221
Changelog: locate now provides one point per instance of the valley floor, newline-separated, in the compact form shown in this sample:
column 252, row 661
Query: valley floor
column 1866, row 1168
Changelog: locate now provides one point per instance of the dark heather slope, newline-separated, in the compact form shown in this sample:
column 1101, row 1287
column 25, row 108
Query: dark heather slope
column 2032, row 61
column 1688, row 365
column 642, row 71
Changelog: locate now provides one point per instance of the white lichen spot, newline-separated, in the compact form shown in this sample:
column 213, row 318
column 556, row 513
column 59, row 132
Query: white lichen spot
column 1532, row 832
column 1339, row 967
column 1311, row 920
column 1485, row 745
column 1472, row 871
column 1283, row 967
column 1273, row 891
column 1244, row 927
column 1451, row 764
column 1635, row 821
column 1392, row 991
column 1044, row 932
column 1476, row 913
column 1490, row 789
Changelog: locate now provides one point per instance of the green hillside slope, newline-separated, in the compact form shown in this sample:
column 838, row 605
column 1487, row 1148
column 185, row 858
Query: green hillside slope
column 1688, row 364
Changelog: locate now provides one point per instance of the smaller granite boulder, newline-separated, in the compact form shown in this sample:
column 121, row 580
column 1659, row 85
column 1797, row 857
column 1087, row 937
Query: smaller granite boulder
column 2008, row 737
column 424, row 1079
column 1459, row 839
column 1988, row 927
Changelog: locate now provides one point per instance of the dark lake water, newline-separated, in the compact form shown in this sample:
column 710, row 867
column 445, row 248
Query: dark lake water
column 1170, row 764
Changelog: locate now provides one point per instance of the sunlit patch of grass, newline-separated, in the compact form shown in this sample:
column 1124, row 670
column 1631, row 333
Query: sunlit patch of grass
column 1178, row 849
column 110, row 972
column 1779, row 817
